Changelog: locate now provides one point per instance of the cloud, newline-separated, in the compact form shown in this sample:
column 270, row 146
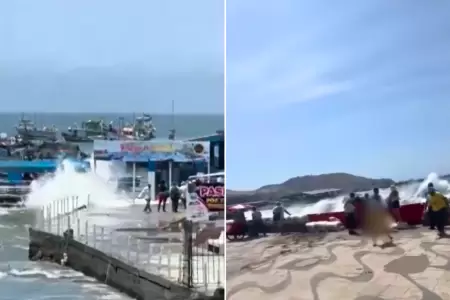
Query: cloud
column 282, row 74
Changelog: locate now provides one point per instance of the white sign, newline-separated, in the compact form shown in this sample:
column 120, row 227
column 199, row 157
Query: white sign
column 196, row 210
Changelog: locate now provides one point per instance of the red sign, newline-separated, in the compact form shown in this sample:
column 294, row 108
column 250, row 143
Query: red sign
column 213, row 195
column 211, row 191
column 133, row 147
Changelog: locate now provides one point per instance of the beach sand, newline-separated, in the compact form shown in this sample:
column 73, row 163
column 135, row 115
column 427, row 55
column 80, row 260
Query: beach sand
column 337, row 266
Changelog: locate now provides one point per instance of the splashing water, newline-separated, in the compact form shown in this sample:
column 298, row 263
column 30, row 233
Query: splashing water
column 411, row 193
column 67, row 182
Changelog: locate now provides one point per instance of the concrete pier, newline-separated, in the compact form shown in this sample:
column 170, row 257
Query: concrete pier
column 128, row 250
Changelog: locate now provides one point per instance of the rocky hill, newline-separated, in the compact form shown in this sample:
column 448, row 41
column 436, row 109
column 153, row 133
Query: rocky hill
column 293, row 189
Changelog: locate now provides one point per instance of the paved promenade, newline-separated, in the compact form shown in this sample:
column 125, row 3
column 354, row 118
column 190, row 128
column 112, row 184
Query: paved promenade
column 337, row 266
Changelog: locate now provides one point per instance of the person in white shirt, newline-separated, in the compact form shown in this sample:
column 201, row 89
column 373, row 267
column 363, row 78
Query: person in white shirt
column 148, row 198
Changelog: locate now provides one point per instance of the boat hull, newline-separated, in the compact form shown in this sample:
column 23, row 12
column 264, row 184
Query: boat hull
column 37, row 134
column 411, row 214
column 8, row 201
column 76, row 139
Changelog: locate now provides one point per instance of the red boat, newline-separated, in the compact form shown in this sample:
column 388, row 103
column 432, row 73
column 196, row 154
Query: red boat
column 237, row 227
column 411, row 214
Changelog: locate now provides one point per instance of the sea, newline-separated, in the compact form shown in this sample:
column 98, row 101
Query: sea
column 21, row 279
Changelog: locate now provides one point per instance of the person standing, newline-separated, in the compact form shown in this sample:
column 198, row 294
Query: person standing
column 175, row 195
column 148, row 198
column 258, row 223
column 376, row 196
column 377, row 220
column 162, row 195
column 278, row 212
column 393, row 203
column 350, row 214
column 437, row 210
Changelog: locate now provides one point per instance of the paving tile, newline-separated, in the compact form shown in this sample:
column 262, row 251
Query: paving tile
column 339, row 267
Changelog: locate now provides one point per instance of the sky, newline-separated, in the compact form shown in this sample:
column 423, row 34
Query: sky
column 68, row 56
column 328, row 86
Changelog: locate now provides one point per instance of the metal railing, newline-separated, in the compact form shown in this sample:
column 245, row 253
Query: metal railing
column 158, row 255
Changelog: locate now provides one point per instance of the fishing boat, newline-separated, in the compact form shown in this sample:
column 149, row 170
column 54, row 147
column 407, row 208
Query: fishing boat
column 142, row 129
column 172, row 134
column 29, row 131
column 90, row 130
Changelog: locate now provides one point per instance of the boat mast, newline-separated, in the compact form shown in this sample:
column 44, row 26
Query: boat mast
column 173, row 114
column 172, row 132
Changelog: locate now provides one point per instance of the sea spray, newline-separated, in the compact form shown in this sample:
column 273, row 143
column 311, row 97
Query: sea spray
column 411, row 193
column 67, row 182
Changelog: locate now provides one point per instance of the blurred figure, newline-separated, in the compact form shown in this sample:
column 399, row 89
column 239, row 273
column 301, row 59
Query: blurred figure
column 377, row 220
column 393, row 204
column 350, row 214
column 427, row 210
column 376, row 195
column 148, row 198
column 175, row 195
column 162, row 195
column 278, row 212
column 258, row 223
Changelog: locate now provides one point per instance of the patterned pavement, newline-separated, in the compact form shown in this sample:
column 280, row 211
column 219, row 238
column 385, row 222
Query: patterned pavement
column 337, row 266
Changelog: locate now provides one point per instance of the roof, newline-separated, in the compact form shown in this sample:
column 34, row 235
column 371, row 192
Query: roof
column 28, row 166
column 39, row 165
column 323, row 191
column 217, row 137
column 149, row 156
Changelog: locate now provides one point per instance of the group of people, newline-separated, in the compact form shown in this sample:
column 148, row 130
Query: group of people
column 163, row 193
column 259, row 227
column 375, row 215
column 372, row 216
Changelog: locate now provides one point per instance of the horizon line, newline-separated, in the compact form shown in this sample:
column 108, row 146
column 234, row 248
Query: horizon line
column 118, row 113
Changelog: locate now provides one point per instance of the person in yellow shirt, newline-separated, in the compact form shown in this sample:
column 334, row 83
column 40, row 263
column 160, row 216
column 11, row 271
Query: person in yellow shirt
column 437, row 209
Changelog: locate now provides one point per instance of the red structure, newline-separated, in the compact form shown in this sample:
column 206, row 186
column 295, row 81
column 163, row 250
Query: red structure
column 411, row 214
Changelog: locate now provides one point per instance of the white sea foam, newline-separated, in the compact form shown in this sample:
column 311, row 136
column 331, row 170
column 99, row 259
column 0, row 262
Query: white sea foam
column 412, row 193
column 67, row 182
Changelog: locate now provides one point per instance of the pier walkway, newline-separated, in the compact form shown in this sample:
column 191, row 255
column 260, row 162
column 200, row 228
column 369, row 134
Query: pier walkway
column 337, row 266
column 136, row 238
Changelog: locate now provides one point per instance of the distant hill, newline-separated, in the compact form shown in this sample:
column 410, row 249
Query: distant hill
column 293, row 189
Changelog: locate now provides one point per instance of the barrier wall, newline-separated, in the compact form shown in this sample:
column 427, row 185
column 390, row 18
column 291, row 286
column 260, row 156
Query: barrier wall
column 105, row 268
column 160, row 256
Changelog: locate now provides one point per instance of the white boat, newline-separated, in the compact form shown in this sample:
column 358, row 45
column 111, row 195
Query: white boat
column 142, row 129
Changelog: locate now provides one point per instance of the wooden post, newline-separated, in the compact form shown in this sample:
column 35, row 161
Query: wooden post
column 187, row 277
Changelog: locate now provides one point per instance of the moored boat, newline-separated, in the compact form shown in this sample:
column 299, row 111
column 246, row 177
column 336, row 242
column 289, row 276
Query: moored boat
column 29, row 131
column 90, row 130
column 142, row 129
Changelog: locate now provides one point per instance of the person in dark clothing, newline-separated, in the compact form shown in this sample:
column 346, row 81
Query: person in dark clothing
column 438, row 210
column 278, row 212
column 175, row 197
column 428, row 211
column 393, row 203
column 258, row 223
column 350, row 214
column 376, row 195
column 147, row 207
column 162, row 195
